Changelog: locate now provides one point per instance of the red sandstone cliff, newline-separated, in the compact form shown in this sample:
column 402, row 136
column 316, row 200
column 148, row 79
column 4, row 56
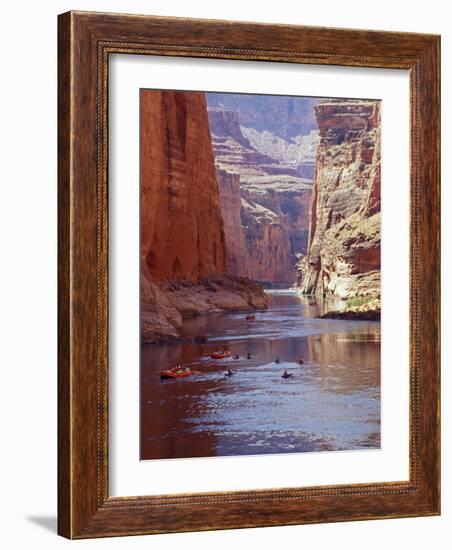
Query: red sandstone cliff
column 343, row 257
column 182, row 249
column 182, row 233
column 231, row 208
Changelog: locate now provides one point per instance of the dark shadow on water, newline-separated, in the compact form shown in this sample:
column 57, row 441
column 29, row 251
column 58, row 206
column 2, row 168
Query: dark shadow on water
column 49, row 523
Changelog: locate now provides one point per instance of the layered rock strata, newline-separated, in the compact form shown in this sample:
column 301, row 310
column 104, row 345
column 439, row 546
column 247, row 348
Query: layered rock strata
column 283, row 116
column 343, row 257
column 264, row 204
column 299, row 152
column 182, row 247
column 165, row 305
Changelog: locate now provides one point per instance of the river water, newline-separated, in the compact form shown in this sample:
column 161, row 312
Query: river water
column 331, row 403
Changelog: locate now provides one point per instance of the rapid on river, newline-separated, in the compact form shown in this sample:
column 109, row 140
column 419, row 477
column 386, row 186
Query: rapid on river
column 330, row 403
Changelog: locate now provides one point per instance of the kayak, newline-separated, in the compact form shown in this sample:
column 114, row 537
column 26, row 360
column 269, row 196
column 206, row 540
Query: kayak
column 220, row 354
column 175, row 373
column 250, row 317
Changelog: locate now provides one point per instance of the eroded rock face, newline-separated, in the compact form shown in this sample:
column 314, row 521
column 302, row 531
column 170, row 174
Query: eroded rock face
column 270, row 226
column 298, row 153
column 234, row 151
column 219, row 292
column 179, row 192
column 343, row 257
column 283, row 116
column 231, row 207
column 182, row 233
column 164, row 305
column 160, row 319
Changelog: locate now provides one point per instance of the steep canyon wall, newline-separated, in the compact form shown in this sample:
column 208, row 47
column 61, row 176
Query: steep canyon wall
column 182, row 248
column 264, row 203
column 179, row 193
column 343, row 257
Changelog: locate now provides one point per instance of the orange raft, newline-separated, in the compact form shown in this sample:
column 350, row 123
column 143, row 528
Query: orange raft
column 220, row 354
column 176, row 372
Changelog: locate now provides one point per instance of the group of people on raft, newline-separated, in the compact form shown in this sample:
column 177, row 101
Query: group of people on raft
column 221, row 354
column 176, row 372
column 181, row 372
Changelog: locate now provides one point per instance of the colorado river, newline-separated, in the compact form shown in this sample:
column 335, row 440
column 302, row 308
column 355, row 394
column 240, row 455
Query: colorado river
column 331, row 403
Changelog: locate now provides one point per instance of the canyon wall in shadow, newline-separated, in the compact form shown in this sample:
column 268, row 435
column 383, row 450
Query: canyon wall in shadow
column 179, row 194
column 182, row 247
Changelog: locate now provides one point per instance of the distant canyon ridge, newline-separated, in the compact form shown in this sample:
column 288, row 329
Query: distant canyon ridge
column 243, row 191
column 264, row 199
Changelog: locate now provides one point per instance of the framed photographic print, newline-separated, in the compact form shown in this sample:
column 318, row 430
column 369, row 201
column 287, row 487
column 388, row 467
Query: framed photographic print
column 248, row 275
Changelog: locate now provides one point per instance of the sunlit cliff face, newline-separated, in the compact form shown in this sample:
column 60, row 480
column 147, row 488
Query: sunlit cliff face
column 264, row 199
column 343, row 257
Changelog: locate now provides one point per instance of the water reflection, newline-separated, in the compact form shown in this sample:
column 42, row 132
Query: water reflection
column 332, row 401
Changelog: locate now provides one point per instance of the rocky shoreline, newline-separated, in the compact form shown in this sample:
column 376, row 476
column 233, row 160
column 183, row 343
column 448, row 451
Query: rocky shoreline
column 352, row 315
column 166, row 305
column 370, row 311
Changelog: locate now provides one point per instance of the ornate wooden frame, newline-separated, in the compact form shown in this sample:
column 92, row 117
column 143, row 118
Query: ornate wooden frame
column 85, row 42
